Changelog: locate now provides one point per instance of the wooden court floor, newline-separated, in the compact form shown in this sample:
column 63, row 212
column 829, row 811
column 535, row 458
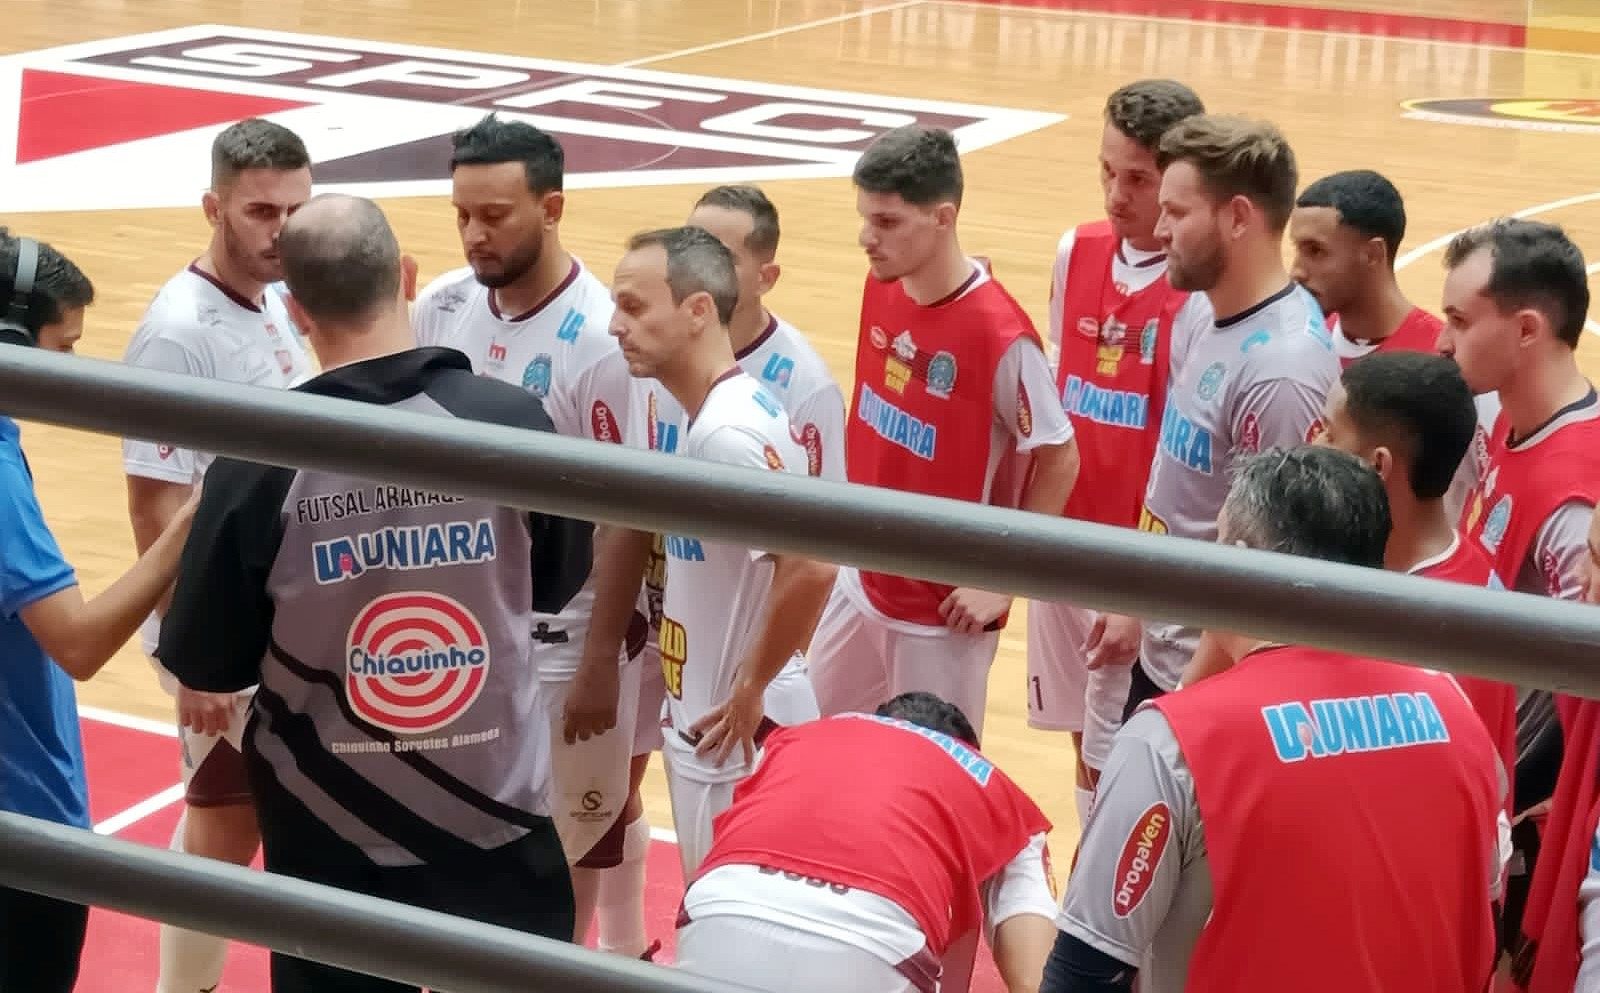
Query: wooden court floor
column 1337, row 95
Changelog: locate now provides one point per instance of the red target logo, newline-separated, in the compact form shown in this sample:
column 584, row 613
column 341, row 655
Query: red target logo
column 414, row 662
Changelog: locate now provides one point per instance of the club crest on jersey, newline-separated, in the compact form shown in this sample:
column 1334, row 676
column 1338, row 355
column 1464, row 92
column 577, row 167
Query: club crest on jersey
column 1210, row 381
column 941, row 375
column 1141, row 856
column 904, row 347
column 774, row 460
column 1147, row 341
column 1494, row 528
column 415, row 661
column 536, row 375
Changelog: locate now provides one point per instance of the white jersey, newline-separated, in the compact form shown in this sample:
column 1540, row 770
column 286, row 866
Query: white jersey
column 783, row 361
column 716, row 593
column 196, row 325
column 1240, row 385
column 562, row 352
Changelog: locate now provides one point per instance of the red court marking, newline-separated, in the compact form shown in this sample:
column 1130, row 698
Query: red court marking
column 121, row 953
column 1367, row 22
column 62, row 113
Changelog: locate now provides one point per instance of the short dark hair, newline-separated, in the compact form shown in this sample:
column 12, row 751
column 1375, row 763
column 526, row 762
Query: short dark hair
column 918, row 163
column 1534, row 265
column 340, row 258
column 1146, row 109
column 931, row 712
column 58, row 284
column 763, row 239
column 492, row 141
column 696, row 263
column 1365, row 201
column 1317, row 502
column 254, row 143
column 1421, row 401
column 1236, row 156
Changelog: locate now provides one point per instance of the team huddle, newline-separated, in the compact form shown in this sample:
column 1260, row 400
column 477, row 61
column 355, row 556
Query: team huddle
column 451, row 703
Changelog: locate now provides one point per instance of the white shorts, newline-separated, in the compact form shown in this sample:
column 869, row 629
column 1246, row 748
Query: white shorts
column 860, row 659
column 589, row 779
column 1057, row 678
column 1106, row 699
column 766, row 955
column 652, row 702
column 212, row 765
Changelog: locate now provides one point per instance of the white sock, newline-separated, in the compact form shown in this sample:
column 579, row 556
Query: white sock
column 621, row 898
column 191, row 962
column 585, row 888
column 1085, row 800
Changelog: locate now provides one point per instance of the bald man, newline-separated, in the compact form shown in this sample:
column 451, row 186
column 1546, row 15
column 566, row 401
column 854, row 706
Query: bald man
column 334, row 594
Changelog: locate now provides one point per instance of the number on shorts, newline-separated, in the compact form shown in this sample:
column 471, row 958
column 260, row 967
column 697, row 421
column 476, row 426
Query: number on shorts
column 1038, row 694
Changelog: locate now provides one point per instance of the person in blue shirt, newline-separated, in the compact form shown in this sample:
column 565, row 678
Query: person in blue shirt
column 49, row 634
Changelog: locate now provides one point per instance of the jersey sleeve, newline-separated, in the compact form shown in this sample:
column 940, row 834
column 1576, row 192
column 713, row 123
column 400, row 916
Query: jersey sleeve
column 602, row 395
column 1272, row 413
column 1560, row 549
column 1021, row 887
column 1193, row 319
column 1058, row 288
column 32, row 567
column 1025, row 398
column 218, row 627
column 150, row 459
column 818, row 422
column 1114, row 907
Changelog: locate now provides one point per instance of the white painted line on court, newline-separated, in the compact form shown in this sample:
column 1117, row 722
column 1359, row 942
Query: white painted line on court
column 663, row 834
column 762, row 35
column 139, row 811
column 126, row 721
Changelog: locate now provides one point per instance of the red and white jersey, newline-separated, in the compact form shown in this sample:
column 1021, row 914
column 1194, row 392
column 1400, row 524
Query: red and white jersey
column 198, row 326
column 1419, row 332
column 716, row 593
column 945, row 394
column 927, row 824
column 561, row 351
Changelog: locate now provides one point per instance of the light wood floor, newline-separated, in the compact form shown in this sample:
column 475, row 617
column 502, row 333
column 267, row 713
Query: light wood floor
column 1336, row 96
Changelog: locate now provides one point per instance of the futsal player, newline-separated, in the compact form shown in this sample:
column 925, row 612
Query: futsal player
column 528, row 313
column 1112, row 312
column 951, row 382
column 221, row 317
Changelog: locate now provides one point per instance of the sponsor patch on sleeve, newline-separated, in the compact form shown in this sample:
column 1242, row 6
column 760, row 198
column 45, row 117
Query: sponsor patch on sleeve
column 1141, row 856
column 1024, row 412
column 604, row 423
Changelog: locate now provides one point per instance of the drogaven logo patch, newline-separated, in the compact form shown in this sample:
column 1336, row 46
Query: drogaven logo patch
column 415, row 661
column 1522, row 113
column 128, row 122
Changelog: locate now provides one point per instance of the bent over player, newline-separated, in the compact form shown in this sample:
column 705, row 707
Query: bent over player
column 390, row 746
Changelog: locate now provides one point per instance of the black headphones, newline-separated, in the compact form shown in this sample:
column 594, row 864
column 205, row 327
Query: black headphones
column 17, row 327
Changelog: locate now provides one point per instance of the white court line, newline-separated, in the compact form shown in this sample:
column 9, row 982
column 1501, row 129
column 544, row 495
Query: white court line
column 139, row 811
column 775, row 32
column 663, row 834
column 1543, row 208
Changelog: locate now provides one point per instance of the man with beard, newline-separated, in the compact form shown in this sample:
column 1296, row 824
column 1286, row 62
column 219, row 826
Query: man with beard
column 1345, row 230
column 1252, row 369
column 526, row 312
column 222, row 318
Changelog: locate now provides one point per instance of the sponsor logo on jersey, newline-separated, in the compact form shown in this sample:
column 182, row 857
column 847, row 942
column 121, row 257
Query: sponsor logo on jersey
column 941, row 375
column 774, row 460
column 778, row 371
column 809, row 438
column 1494, row 529
column 1552, row 572
column 1211, row 381
column 1185, row 441
column 1024, row 412
column 382, row 114
column 1147, row 341
column 766, row 401
column 1314, row 430
column 1113, row 345
column 571, row 324
column 604, row 423
column 536, row 375
column 401, row 548
column 1118, row 408
column 164, row 452
column 1571, row 115
column 1141, row 856
column 1348, row 725
column 1089, row 327
column 497, row 352
column 896, row 426
column 1148, row 521
column 905, row 347
column 879, row 339
column 975, row 765
column 1049, row 872
column 686, row 549
column 1259, row 338
column 416, row 661
column 1250, row 434
column 674, row 642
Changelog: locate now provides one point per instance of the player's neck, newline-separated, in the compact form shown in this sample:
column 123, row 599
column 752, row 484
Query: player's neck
column 218, row 266
column 946, row 272
column 1377, row 315
column 537, row 284
column 1251, row 279
column 691, row 381
column 1420, row 530
column 388, row 335
column 747, row 327
column 1541, row 390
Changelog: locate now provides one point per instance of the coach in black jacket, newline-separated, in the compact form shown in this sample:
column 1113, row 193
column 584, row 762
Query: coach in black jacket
column 391, row 746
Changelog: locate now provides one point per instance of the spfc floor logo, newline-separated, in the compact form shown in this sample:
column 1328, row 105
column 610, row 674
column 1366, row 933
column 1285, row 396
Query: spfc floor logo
column 128, row 122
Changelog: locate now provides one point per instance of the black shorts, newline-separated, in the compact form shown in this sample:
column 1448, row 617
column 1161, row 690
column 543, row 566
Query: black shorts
column 1140, row 688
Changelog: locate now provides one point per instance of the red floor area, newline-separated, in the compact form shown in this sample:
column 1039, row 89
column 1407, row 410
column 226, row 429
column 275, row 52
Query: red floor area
column 129, row 766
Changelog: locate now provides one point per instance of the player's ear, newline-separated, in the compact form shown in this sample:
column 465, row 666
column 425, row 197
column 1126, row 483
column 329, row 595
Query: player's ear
column 408, row 277
column 555, row 204
column 1238, row 212
column 211, row 205
column 768, row 276
column 945, row 214
column 1383, row 463
column 1531, row 324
